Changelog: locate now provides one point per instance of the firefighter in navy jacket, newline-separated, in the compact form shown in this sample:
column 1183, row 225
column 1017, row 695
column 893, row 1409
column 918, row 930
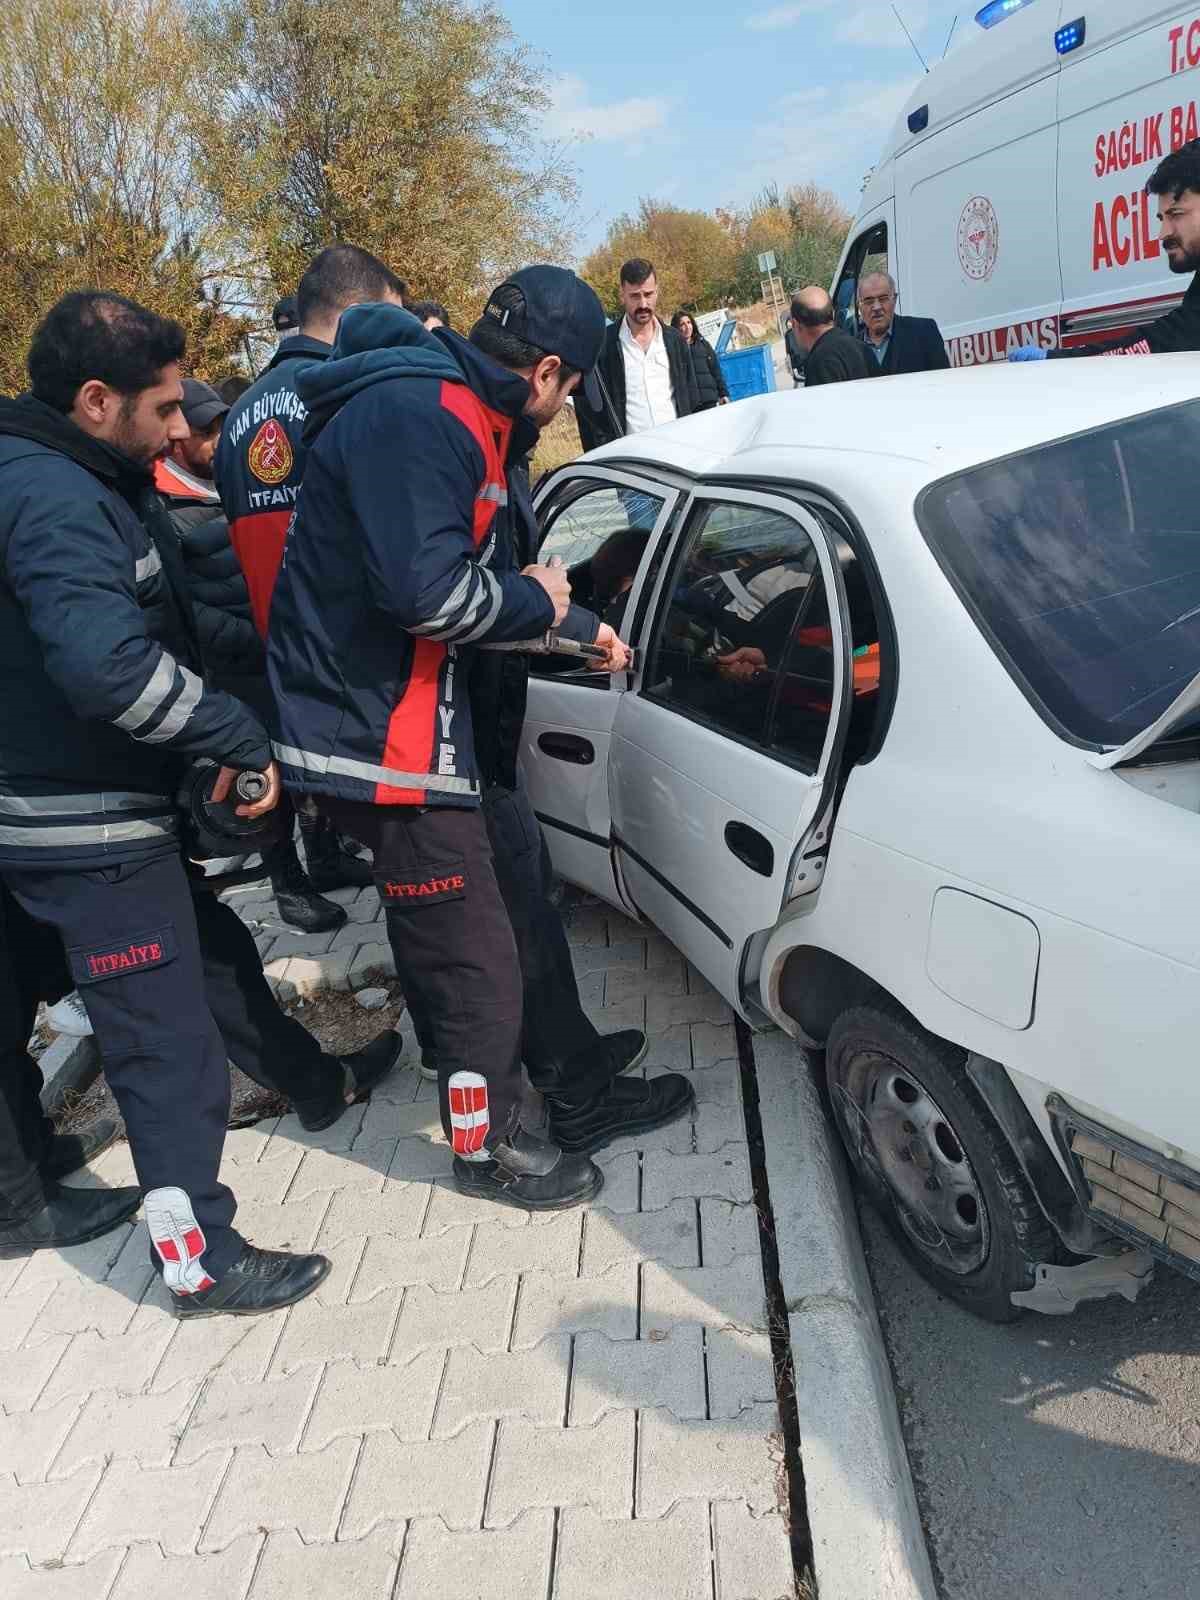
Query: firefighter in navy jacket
column 104, row 707
column 393, row 574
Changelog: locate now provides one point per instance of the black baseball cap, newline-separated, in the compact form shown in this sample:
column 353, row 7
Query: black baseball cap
column 201, row 404
column 286, row 314
column 553, row 310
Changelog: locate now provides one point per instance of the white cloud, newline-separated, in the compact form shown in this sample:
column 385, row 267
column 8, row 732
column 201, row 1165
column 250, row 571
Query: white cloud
column 875, row 24
column 571, row 116
column 784, row 16
column 830, row 135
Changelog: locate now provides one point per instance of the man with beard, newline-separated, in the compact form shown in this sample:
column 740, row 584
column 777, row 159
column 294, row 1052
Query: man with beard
column 107, row 711
column 645, row 369
column 1176, row 184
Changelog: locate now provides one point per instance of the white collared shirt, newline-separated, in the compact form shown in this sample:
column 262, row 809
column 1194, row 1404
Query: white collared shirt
column 648, row 397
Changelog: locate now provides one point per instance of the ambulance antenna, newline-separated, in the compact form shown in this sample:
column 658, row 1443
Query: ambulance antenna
column 910, row 39
column 950, row 36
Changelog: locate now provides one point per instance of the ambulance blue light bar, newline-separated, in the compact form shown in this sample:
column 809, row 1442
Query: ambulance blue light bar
column 998, row 11
column 1070, row 36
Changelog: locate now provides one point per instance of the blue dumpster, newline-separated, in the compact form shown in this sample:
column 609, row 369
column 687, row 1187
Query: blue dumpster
column 749, row 372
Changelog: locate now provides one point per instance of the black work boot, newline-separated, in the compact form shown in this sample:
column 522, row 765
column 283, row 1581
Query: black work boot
column 258, row 1281
column 530, row 1173
column 580, row 1125
column 361, row 1071
column 331, row 863
column 299, row 904
column 69, row 1216
column 68, row 1152
column 610, row 1056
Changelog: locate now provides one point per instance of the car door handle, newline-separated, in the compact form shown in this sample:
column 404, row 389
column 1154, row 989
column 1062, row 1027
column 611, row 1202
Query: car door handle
column 567, row 747
column 750, row 848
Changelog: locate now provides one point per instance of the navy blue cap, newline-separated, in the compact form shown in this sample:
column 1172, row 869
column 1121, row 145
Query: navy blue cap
column 553, row 310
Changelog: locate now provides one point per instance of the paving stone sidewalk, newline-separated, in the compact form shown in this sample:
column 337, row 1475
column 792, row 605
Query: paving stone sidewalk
column 475, row 1403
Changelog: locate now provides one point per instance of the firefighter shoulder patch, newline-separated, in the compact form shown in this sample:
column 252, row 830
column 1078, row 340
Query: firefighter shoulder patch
column 270, row 457
column 178, row 1240
column 470, row 1118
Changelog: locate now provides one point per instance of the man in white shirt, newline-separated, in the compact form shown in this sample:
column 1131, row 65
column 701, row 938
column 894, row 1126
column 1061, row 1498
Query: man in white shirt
column 645, row 368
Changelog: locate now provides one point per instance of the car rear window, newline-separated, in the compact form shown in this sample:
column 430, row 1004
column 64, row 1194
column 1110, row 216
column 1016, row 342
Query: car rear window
column 1081, row 562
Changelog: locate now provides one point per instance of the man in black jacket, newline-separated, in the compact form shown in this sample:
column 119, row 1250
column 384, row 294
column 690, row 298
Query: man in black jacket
column 834, row 356
column 894, row 343
column 644, row 376
column 97, row 629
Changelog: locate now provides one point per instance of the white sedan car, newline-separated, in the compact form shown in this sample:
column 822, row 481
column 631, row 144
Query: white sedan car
column 909, row 765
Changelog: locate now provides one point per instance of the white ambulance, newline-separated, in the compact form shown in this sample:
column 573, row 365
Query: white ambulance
column 1010, row 201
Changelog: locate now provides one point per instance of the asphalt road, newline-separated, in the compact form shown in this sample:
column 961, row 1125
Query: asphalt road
column 1057, row 1458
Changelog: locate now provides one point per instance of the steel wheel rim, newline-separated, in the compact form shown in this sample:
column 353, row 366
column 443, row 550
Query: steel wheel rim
column 897, row 1130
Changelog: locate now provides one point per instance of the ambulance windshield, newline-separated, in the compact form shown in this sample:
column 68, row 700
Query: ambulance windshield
column 1080, row 560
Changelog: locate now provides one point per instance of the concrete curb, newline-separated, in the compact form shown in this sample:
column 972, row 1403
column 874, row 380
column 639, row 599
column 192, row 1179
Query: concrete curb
column 69, row 1065
column 867, row 1535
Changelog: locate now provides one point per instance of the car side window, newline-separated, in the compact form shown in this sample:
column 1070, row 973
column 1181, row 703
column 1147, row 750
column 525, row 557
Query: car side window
column 868, row 254
column 743, row 639
column 601, row 535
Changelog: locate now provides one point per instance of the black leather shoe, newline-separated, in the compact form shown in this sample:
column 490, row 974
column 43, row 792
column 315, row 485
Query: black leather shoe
column 258, row 1281
column 68, row 1152
column 530, row 1173
column 299, row 904
column 69, row 1216
column 628, row 1105
column 361, row 1071
column 610, row 1056
column 338, row 869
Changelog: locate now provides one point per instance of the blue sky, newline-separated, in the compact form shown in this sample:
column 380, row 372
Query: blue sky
column 701, row 105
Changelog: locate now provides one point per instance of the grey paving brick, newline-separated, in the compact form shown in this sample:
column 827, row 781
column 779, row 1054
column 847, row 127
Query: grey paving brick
column 244, row 1146
column 81, row 1263
column 372, row 961
column 365, row 1570
column 550, row 1305
column 503, row 1564
column 719, row 1085
column 449, row 1209
column 591, row 988
column 668, row 1559
column 266, row 1182
column 323, row 1172
column 600, row 957
column 263, row 942
column 713, row 1042
column 337, row 1139
column 627, row 1013
column 628, row 1375
column 752, row 1554
column 348, row 938
column 669, row 1050
column 301, row 944
column 530, row 1383
column 390, row 1263
column 294, row 1225
column 735, row 1458
column 626, row 983
column 280, row 985
column 665, row 1177
column 148, row 1575
column 262, row 1493
column 392, row 1208
column 319, row 1332
column 240, row 1347
column 412, row 1120
column 587, row 925
column 553, row 1247
column 18, row 1581
column 420, row 1161
column 335, row 967
column 355, row 1400
column 231, row 1412
column 37, row 1519
column 30, row 1440
column 669, row 1235
column 25, row 1374
column 366, row 910
column 728, row 1231
column 713, row 1127
column 621, row 1182
column 78, row 1304
column 134, row 1503
column 131, row 1427
column 481, row 1317
column 429, row 1478
column 664, row 1011
column 562, row 1467
column 713, row 1296
column 740, row 1372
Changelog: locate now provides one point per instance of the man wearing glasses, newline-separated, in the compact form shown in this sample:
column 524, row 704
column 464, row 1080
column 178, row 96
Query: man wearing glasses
column 894, row 343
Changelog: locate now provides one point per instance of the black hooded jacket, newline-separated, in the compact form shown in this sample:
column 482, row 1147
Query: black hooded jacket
column 99, row 647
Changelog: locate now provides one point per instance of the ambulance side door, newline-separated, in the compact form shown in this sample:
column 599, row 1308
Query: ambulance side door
column 570, row 712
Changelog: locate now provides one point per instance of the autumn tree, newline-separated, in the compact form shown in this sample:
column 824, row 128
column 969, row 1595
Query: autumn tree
column 805, row 226
column 408, row 127
column 695, row 256
column 96, row 183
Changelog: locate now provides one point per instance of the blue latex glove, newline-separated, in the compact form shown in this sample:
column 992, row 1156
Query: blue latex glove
column 1027, row 352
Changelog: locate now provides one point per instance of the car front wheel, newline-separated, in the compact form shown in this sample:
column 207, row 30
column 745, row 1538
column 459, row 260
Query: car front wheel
column 933, row 1161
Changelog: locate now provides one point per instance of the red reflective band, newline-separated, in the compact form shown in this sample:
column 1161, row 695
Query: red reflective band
column 411, row 726
column 179, row 1240
column 491, row 431
column 470, row 1119
column 258, row 540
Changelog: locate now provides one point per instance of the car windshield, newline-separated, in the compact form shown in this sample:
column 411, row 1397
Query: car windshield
column 1081, row 561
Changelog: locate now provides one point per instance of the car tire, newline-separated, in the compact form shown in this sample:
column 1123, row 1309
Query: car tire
column 933, row 1161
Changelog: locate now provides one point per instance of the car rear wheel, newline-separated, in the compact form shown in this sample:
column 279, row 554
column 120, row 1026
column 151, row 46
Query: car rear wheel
column 933, row 1161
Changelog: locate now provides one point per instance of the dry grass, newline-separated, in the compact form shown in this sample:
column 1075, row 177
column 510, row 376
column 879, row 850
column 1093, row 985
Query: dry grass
column 558, row 445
